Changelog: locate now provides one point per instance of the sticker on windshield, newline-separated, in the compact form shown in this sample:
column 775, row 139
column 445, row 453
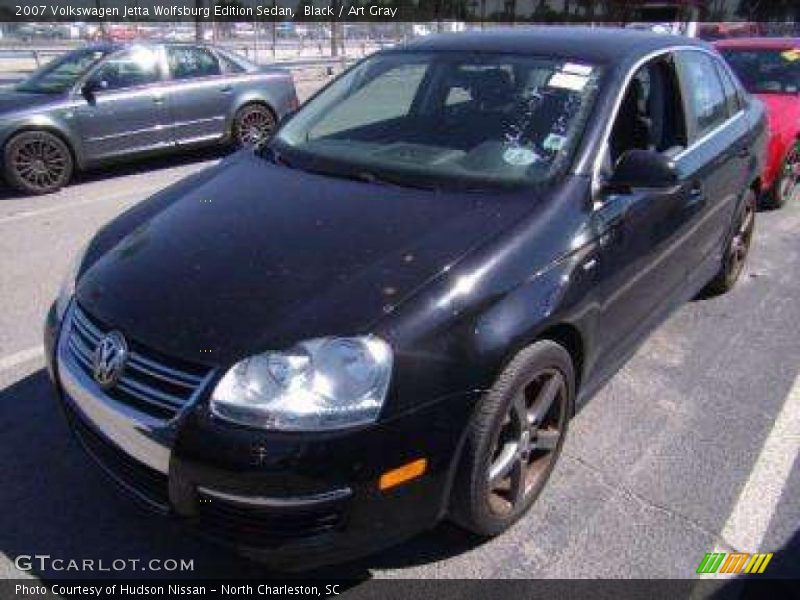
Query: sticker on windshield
column 791, row 55
column 577, row 69
column 520, row 156
column 554, row 142
column 568, row 81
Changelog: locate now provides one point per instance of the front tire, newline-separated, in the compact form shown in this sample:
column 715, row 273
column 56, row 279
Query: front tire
column 514, row 439
column 253, row 125
column 37, row 162
column 737, row 249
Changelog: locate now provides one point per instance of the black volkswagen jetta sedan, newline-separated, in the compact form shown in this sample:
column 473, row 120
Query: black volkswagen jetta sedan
column 388, row 314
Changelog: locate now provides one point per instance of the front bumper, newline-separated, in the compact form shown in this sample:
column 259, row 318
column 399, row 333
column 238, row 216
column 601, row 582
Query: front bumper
column 293, row 500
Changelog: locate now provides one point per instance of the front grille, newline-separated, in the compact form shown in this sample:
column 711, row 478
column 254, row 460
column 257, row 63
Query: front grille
column 147, row 483
column 151, row 383
column 257, row 527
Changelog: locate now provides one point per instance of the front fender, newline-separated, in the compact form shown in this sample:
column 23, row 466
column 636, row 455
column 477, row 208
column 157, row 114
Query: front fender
column 56, row 124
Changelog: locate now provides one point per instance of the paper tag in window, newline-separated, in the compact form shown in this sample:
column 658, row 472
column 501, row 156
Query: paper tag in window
column 577, row 69
column 519, row 156
column 554, row 142
column 568, row 81
column 791, row 55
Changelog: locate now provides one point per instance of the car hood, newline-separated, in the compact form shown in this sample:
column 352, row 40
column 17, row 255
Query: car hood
column 12, row 100
column 783, row 111
column 255, row 256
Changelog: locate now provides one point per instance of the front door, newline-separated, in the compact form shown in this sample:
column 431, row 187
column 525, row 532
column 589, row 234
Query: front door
column 641, row 231
column 127, row 110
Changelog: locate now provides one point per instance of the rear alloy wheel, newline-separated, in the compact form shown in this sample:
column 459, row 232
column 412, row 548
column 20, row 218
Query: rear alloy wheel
column 786, row 186
column 253, row 125
column 515, row 439
column 738, row 248
column 37, row 162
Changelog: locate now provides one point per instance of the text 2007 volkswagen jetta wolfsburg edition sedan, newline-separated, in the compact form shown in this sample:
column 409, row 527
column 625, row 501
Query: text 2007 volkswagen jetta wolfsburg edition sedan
column 388, row 314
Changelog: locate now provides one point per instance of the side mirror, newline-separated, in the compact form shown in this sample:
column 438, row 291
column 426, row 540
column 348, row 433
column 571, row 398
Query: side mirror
column 91, row 87
column 642, row 169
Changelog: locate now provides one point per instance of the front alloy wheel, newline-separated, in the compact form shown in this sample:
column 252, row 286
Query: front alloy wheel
column 514, row 439
column 37, row 162
column 527, row 442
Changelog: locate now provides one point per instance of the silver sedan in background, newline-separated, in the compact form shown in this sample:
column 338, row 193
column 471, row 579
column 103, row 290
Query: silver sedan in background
column 105, row 102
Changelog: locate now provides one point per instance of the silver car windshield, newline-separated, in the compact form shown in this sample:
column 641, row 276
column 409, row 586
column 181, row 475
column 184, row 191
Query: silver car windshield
column 442, row 119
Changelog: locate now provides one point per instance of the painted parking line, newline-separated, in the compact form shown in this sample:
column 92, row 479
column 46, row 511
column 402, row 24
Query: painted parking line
column 28, row 214
column 21, row 357
column 747, row 523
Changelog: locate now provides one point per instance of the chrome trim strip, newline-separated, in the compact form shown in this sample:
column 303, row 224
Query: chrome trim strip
column 130, row 388
column 185, row 378
column 271, row 502
column 138, row 366
column 706, row 136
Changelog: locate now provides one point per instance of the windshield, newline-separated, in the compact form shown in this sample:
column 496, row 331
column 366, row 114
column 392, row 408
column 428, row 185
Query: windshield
column 766, row 71
column 60, row 74
column 443, row 120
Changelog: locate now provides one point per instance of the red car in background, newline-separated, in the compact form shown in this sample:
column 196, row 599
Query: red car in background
column 770, row 68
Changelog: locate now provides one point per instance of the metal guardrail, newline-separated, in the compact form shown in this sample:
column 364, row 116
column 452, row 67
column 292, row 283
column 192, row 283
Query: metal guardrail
column 36, row 54
column 291, row 63
column 251, row 51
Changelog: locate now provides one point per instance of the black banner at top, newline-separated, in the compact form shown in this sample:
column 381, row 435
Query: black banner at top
column 507, row 11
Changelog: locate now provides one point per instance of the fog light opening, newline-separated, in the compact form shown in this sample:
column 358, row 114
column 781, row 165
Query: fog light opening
column 404, row 474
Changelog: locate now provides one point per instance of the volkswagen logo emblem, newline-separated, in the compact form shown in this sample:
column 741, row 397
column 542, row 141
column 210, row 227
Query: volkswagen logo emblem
column 109, row 359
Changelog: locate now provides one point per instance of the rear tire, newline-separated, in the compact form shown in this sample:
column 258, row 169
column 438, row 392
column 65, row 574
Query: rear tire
column 37, row 162
column 514, row 439
column 253, row 125
column 737, row 249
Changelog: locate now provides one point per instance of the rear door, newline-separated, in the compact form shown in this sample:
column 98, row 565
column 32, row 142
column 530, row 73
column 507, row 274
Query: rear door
column 715, row 161
column 201, row 95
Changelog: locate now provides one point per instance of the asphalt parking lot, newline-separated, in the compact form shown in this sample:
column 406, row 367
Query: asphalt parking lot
column 692, row 447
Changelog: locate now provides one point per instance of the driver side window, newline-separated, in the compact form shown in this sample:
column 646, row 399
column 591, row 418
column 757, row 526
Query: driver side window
column 131, row 68
column 650, row 116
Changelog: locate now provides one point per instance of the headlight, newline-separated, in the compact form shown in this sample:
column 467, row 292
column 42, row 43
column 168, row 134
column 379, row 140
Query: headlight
column 321, row 384
column 67, row 289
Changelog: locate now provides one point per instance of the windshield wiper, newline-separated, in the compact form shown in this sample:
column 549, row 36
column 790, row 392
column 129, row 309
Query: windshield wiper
column 382, row 179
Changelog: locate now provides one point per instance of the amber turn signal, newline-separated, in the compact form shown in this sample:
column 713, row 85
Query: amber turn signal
column 402, row 474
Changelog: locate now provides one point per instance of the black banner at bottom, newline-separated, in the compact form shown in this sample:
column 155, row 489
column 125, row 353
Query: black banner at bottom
column 387, row 589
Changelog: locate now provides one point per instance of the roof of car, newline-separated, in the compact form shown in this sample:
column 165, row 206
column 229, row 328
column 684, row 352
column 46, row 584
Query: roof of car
column 594, row 44
column 759, row 42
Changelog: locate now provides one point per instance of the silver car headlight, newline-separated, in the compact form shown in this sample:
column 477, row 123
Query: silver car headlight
column 320, row 384
column 67, row 289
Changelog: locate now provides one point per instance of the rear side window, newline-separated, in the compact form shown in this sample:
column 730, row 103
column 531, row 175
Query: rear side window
column 704, row 93
column 190, row 62
column 731, row 93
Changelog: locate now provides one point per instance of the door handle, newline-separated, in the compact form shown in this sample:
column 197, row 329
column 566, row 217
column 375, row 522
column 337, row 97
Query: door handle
column 158, row 99
column 226, row 89
column 696, row 194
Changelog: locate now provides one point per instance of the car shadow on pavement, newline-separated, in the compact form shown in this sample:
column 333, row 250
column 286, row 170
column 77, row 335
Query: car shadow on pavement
column 56, row 502
column 133, row 166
